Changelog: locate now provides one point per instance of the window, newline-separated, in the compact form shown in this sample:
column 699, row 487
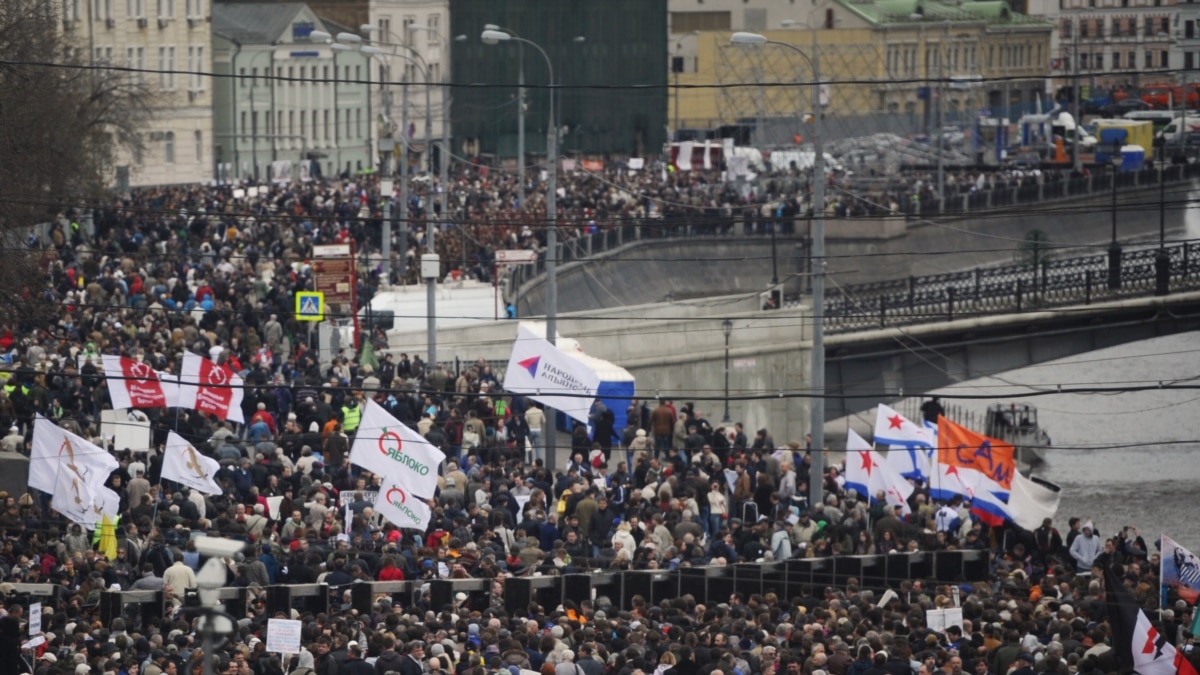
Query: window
column 314, row 124
column 385, row 29
column 71, row 10
column 166, row 9
column 242, row 77
column 1188, row 61
column 435, row 72
column 103, row 55
column 1099, row 65
column 135, row 9
column 1165, row 26
column 435, row 21
column 1164, row 58
column 279, row 122
column 358, row 73
column 244, row 115
column 1067, row 28
column 169, row 147
column 405, row 28
column 358, row 123
column 101, row 10
column 302, row 125
column 1116, row 27
column 291, row 127
column 1083, row 61
column 1084, row 28
column 138, row 156
column 196, row 68
column 686, row 22
column 198, row 140
column 337, row 121
column 1149, row 26
column 135, row 57
column 166, row 67
column 1189, row 28
column 195, row 8
column 1149, row 62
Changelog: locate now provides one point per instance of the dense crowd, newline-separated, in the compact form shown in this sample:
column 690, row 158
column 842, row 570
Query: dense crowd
column 179, row 269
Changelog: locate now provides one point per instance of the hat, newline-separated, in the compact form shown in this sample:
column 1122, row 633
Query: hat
column 49, row 656
column 1025, row 656
column 641, row 433
column 83, row 669
column 460, row 597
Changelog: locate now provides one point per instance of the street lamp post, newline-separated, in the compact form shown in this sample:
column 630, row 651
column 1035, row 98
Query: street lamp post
column 492, row 37
column 817, row 405
column 1114, row 248
column 520, row 109
column 727, row 327
column 1162, row 261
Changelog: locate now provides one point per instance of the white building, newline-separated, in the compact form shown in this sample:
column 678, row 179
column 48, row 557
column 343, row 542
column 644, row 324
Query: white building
column 282, row 99
column 155, row 38
column 415, row 35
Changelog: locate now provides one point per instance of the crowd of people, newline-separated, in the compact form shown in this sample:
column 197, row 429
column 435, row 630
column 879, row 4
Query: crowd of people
column 177, row 269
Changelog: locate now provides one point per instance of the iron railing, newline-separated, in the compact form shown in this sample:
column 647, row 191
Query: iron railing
column 1003, row 290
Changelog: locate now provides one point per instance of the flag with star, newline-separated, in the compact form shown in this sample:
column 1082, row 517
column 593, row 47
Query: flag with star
column 1140, row 647
column 910, row 446
column 869, row 474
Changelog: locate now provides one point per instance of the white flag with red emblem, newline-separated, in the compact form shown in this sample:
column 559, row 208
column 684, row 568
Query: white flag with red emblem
column 1138, row 644
column 385, row 446
column 133, row 384
column 407, row 511
column 210, row 388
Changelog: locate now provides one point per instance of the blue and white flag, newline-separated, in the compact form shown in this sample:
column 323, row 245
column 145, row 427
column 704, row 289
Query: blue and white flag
column 911, row 447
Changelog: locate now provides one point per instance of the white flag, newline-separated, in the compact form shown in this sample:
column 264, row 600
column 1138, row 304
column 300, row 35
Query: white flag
column 73, row 498
column 185, row 465
column 546, row 373
column 56, row 450
column 403, row 509
column 911, row 446
column 385, row 446
column 869, row 474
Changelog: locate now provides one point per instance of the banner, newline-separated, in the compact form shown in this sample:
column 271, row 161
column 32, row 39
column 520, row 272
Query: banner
column 385, row 446
column 406, row 511
column 185, row 465
column 81, row 503
column 911, row 447
column 545, row 372
column 977, row 457
column 210, row 388
column 133, row 384
column 56, row 451
column 1180, row 570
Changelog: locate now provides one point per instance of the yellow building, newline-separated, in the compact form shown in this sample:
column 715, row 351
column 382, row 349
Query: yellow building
column 885, row 64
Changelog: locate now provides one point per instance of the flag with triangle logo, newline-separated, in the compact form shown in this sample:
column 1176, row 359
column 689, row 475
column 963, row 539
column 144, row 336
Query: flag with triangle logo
column 550, row 375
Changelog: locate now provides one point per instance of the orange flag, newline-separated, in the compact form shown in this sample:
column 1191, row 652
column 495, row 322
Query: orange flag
column 960, row 447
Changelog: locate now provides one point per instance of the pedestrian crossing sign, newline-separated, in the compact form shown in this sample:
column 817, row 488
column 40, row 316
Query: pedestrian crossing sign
column 310, row 306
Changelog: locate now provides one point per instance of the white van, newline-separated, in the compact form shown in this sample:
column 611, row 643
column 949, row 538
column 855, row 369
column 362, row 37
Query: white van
column 1170, row 133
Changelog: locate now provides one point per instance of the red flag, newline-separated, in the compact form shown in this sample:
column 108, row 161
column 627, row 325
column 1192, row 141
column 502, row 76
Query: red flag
column 133, row 384
column 210, row 388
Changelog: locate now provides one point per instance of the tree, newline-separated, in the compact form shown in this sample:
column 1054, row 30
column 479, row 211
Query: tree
column 62, row 119
column 1035, row 250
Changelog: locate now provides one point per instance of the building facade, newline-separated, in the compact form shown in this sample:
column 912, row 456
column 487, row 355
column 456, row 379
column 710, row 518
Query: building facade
column 607, row 59
column 285, row 105
column 889, row 64
column 1122, row 42
column 166, row 44
column 416, row 36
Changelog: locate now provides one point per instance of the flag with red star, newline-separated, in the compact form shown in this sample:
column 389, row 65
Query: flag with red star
column 911, row 447
column 868, row 473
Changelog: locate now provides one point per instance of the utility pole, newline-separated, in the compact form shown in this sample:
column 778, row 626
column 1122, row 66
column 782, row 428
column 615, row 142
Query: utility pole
column 551, row 261
column 1076, row 161
column 817, row 475
column 521, row 122
column 403, row 181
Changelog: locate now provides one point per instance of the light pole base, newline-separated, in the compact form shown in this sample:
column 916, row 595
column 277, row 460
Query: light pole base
column 1114, row 266
column 1162, row 273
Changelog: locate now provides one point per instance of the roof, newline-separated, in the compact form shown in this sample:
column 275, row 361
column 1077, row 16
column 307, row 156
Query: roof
column 891, row 12
column 254, row 22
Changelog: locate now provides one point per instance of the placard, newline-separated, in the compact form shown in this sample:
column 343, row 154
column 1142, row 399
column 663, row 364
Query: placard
column 283, row 636
column 35, row 618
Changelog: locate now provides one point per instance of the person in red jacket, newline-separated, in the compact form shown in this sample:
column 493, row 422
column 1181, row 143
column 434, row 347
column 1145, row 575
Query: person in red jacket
column 390, row 571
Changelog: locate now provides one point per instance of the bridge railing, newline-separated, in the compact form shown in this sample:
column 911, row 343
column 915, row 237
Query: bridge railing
column 1003, row 290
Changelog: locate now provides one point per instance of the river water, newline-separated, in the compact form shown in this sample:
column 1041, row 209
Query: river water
column 1128, row 458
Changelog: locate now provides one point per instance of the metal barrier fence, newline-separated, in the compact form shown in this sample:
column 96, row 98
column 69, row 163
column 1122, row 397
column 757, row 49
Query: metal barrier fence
column 1003, row 290
column 1052, row 187
column 788, row 578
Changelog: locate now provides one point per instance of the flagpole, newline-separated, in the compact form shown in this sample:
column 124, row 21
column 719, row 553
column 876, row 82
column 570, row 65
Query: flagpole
column 1162, row 580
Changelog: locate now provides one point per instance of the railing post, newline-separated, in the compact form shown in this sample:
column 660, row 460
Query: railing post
column 950, row 304
column 587, row 250
column 1087, row 287
column 912, row 291
column 882, row 311
column 978, row 282
column 1020, row 290
column 1186, row 250
column 620, row 235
